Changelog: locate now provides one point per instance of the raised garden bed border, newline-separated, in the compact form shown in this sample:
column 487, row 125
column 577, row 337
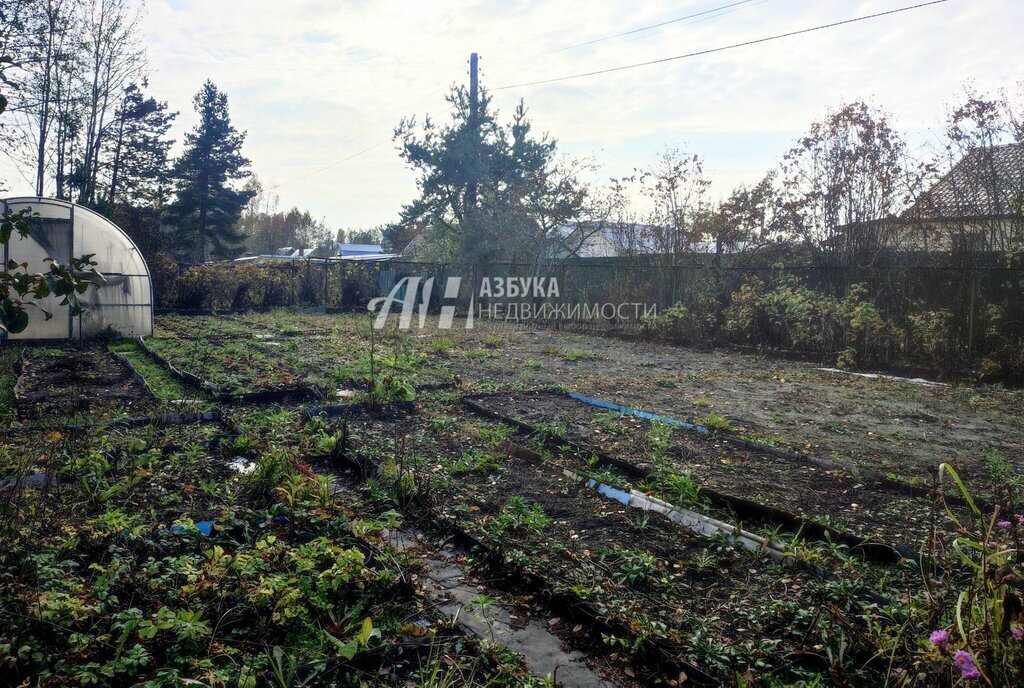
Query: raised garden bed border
column 878, row 551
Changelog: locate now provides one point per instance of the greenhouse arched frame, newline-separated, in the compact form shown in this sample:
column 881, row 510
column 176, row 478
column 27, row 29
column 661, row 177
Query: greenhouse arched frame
column 121, row 306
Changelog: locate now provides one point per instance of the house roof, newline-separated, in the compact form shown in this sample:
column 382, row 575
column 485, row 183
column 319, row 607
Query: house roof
column 360, row 248
column 986, row 182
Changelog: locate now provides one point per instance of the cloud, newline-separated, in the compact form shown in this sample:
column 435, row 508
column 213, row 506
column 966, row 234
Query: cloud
column 314, row 81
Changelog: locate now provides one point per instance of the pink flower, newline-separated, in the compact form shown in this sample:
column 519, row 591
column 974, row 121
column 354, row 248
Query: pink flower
column 939, row 638
column 1017, row 633
column 1020, row 519
column 1004, row 524
column 965, row 663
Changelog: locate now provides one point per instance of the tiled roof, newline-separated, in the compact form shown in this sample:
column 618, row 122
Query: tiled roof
column 986, row 182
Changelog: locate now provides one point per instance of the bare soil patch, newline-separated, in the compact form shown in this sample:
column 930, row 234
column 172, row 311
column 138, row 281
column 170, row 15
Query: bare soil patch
column 61, row 384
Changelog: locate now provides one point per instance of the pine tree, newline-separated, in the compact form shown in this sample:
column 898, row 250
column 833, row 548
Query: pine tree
column 207, row 207
column 139, row 161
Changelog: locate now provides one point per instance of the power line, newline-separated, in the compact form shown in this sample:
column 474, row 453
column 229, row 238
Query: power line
column 721, row 48
column 698, row 17
column 652, row 26
column 376, row 145
column 333, row 164
column 343, row 160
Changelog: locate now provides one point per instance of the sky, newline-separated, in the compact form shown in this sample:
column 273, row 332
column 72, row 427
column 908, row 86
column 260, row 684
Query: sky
column 321, row 84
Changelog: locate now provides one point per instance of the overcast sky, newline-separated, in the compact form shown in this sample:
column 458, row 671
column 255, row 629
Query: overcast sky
column 316, row 81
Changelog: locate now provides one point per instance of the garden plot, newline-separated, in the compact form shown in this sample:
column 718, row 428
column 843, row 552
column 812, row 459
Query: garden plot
column 64, row 385
column 326, row 364
column 703, row 599
column 201, row 572
column 887, row 425
column 287, row 322
column 210, row 326
column 43, row 459
column 229, row 367
column 452, row 583
column 730, row 474
column 891, row 426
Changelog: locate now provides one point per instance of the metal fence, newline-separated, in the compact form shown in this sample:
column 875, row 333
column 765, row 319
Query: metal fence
column 971, row 300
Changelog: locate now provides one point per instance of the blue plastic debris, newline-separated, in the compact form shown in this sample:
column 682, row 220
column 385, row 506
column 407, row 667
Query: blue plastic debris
column 204, row 527
column 638, row 413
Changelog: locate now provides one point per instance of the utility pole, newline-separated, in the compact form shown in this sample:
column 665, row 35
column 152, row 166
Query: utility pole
column 474, row 97
column 474, row 84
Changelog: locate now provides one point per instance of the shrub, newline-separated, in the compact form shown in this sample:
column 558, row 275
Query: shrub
column 675, row 324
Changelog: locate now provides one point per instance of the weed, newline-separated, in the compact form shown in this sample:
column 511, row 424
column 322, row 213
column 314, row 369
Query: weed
column 442, row 424
column 484, row 605
column 494, row 435
column 573, row 355
column 713, row 421
column 517, row 515
column 635, row 568
column 609, row 422
column 548, row 432
column 472, row 462
column 442, row 346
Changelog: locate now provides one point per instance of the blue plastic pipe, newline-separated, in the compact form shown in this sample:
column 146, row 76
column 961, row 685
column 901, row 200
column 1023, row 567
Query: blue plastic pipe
column 638, row 413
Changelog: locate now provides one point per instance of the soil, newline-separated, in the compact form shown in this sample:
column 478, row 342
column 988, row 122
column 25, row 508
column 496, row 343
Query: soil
column 62, row 384
column 834, row 498
column 888, row 425
column 702, row 583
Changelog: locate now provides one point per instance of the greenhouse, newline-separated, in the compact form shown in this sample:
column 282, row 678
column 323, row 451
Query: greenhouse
column 121, row 306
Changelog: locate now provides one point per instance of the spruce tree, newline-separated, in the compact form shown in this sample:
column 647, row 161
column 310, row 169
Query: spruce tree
column 207, row 206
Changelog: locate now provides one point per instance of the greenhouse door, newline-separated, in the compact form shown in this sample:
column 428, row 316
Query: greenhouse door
column 50, row 237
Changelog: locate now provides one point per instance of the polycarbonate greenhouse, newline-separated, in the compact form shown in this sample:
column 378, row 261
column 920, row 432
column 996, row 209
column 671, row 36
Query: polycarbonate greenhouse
column 123, row 305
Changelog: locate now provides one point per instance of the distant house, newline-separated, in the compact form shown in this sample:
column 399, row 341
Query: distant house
column 358, row 250
column 620, row 239
column 292, row 252
column 342, row 252
column 977, row 205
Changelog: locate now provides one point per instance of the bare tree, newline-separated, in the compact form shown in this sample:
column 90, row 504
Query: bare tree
column 674, row 191
column 115, row 57
column 843, row 184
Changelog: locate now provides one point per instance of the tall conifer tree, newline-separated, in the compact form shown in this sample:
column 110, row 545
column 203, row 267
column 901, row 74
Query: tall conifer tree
column 207, row 207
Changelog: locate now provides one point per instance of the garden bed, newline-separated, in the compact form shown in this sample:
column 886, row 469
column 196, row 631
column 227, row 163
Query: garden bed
column 729, row 475
column 265, row 367
column 667, row 584
column 58, row 385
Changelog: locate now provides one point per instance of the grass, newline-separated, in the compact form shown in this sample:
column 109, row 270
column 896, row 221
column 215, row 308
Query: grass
column 163, row 384
column 8, row 379
column 573, row 355
column 713, row 421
